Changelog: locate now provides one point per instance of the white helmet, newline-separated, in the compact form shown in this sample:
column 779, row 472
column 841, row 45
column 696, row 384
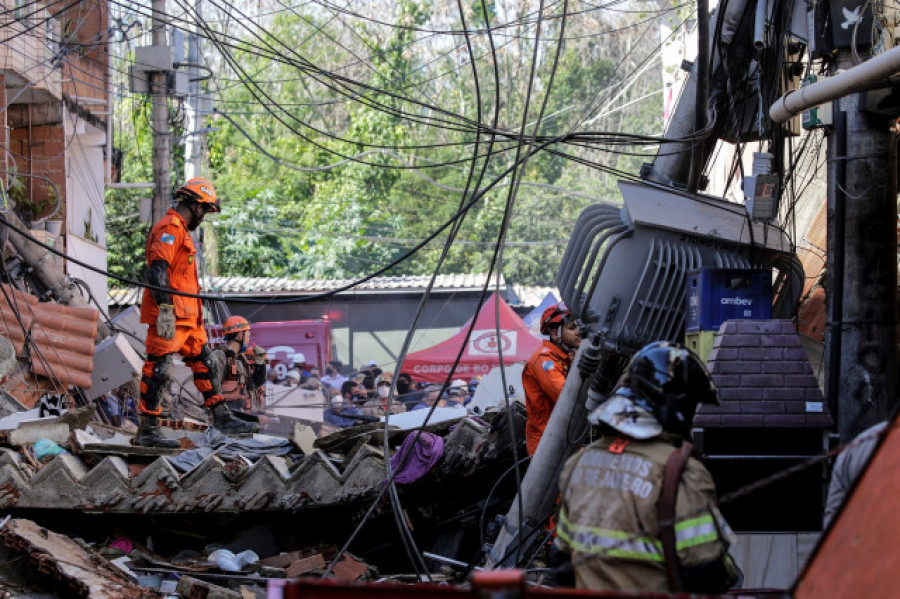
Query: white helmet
column 298, row 358
column 622, row 413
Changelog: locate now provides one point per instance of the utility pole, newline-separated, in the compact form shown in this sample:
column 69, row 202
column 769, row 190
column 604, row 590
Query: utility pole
column 196, row 109
column 193, row 145
column 861, row 337
column 159, row 96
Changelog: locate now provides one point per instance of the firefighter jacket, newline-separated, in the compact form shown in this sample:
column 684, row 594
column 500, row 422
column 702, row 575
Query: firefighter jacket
column 608, row 518
column 171, row 241
column 542, row 378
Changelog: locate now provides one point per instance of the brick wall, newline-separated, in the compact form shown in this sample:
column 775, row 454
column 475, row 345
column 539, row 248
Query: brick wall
column 40, row 150
column 764, row 378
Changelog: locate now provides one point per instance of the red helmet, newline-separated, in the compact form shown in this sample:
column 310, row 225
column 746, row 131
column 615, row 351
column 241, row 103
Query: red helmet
column 235, row 324
column 553, row 317
column 199, row 190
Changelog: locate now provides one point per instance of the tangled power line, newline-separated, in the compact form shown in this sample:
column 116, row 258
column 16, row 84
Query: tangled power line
column 371, row 79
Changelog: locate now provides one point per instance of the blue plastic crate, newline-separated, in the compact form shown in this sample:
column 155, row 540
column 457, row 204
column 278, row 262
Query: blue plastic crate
column 715, row 295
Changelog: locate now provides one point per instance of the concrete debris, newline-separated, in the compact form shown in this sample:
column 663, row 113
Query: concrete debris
column 349, row 568
column 13, row 420
column 116, row 363
column 45, row 428
column 284, row 560
column 194, row 587
column 83, row 571
column 305, row 565
column 7, row 357
column 102, row 477
column 304, row 437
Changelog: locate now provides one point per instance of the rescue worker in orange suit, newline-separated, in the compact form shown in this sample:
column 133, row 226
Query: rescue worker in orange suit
column 176, row 321
column 638, row 511
column 545, row 371
column 245, row 367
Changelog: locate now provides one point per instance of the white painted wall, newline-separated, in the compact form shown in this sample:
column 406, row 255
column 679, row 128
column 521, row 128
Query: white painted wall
column 85, row 227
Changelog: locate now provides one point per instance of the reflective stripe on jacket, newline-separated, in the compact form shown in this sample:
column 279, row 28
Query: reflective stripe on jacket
column 170, row 240
column 542, row 378
column 608, row 515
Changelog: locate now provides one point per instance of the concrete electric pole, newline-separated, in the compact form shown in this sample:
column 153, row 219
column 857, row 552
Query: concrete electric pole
column 193, row 142
column 861, row 341
column 862, row 263
column 159, row 97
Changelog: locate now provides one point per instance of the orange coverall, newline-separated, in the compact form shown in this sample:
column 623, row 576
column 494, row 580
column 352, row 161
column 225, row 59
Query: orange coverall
column 543, row 378
column 171, row 241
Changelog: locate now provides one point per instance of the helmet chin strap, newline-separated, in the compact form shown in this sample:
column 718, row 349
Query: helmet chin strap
column 195, row 220
column 565, row 347
column 558, row 342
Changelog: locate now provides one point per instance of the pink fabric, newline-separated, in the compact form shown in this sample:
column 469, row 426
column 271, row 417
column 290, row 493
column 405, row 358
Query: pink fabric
column 123, row 544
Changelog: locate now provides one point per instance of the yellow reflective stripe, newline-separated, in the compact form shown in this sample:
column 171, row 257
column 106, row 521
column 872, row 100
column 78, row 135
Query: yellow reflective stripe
column 693, row 522
column 708, row 538
column 611, row 543
column 696, row 531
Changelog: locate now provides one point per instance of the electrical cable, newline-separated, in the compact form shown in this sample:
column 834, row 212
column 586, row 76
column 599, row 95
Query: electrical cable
column 476, row 197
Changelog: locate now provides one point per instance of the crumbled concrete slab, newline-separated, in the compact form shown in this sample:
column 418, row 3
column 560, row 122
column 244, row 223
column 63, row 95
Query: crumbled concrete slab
column 30, row 431
column 304, row 437
column 125, row 479
column 12, row 421
column 85, row 572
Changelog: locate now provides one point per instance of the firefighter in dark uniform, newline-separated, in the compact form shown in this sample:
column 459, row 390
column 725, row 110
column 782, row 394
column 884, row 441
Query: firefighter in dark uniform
column 638, row 511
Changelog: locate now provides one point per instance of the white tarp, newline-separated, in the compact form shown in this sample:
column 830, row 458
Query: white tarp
column 490, row 394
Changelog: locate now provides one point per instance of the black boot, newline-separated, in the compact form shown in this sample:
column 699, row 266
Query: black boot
column 225, row 422
column 148, row 435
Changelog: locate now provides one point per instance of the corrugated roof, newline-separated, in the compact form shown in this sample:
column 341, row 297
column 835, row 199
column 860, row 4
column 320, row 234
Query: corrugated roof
column 62, row 347
column 529, row 296
column 244, row 286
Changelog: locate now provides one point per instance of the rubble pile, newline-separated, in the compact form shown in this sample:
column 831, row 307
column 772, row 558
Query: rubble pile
column 87, row 505
column 264, row 473
column 54, row 465
column 121, row 568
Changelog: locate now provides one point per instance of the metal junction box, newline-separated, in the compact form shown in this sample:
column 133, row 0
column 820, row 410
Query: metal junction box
column 715, row 295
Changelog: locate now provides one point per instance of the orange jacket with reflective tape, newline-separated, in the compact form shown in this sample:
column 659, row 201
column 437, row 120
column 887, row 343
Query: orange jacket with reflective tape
column 170, row 240
column 542, row 378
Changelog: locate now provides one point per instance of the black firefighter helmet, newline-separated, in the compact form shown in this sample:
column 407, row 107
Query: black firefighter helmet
column 669, row 381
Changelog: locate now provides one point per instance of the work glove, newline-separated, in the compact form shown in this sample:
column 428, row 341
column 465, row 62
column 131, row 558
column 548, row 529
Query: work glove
column 165, row 321
column 259, row 355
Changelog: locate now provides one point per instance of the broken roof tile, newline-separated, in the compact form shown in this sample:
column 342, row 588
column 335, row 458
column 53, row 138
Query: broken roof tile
column 63, row 337
column 111, row 486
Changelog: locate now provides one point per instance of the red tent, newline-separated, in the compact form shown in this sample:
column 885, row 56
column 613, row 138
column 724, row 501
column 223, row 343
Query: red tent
column 482, row 352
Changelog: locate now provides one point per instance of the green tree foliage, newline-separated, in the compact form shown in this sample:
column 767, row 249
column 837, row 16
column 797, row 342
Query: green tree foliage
column 126, row 234
column 349, row 140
